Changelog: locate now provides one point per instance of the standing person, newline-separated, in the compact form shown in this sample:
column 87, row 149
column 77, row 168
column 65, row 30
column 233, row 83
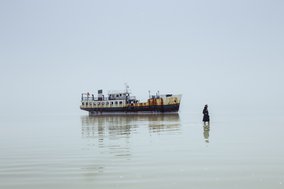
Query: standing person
column 206, row 115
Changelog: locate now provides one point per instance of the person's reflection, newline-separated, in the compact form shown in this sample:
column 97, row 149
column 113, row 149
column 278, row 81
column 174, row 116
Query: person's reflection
column 206, row 129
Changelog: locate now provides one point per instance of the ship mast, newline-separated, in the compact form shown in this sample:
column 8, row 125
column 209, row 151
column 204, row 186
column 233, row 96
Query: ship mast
column 126, row 92
column 126, row 87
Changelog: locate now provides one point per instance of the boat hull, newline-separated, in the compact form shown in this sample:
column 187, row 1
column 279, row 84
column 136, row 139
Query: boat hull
column 157, row 109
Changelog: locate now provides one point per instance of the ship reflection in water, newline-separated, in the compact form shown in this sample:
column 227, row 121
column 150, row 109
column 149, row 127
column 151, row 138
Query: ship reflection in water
column 114, row 125
column 114, row 140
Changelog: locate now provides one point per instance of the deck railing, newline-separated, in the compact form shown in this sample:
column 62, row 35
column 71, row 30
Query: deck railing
column 90, row 97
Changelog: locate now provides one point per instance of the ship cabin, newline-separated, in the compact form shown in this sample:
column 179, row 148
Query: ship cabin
column 113, row 99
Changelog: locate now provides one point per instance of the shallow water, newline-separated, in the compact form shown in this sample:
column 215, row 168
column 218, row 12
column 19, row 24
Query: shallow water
column 146, row 151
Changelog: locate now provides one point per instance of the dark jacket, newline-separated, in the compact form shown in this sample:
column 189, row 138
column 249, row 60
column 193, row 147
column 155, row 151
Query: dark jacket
column 206, row 114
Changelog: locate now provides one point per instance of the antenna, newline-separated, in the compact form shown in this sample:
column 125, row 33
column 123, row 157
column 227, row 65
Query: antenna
column 126, row 87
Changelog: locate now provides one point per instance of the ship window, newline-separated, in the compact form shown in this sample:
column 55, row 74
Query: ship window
column 111, row 103
column 120, row 102
column 116, row 95
column 107, row 103
column 94, row 104
column 83, row 103
column 98, row 103
column 86, row 103
column 116, row 102
column 103, row 103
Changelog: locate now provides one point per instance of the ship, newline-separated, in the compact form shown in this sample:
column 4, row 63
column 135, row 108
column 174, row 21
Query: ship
column 121, row 102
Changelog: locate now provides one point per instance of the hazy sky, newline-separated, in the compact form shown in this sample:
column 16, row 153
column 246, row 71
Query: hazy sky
column 229, row 54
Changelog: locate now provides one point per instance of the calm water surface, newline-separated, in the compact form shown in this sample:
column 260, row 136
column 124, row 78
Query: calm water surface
column 153, row 151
